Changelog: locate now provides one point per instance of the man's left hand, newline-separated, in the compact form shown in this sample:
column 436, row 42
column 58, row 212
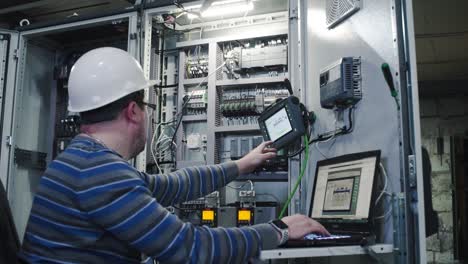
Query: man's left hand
column 256, row 157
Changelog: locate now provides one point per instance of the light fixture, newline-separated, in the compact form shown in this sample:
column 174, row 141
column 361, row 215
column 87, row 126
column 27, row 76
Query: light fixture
column 191, row 15
column 192, row 7
column 190, row 11
column 225, row 7
column 226, row 2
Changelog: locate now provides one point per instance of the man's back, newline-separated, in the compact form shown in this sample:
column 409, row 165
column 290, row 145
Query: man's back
column 58, row 228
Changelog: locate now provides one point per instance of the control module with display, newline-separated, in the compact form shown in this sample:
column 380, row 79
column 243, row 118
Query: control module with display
column 340, row 83
column 283, row 122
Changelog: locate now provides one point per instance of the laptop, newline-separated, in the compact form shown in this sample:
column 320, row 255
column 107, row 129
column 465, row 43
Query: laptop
column 341, row 200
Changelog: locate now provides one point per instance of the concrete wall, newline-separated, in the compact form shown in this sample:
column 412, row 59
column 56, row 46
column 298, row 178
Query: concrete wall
column 444, row 117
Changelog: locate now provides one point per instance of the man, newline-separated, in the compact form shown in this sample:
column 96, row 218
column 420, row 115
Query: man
column 92, row 206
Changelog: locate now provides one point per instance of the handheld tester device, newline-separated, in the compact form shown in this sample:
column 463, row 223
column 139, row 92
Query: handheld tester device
column 282, row 122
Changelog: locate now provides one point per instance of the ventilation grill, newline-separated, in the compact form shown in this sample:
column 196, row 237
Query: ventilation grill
column 217, row 148
column 357, row 79
column 348, row 76
column 339, row 10
column 218, row 115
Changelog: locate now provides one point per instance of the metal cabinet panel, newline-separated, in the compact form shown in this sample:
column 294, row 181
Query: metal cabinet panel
column 8, row 67
column 33, row 109
column 380, row 32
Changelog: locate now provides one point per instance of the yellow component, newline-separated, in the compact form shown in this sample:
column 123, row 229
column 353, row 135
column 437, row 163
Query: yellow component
column 208, row 215
column 243, row 215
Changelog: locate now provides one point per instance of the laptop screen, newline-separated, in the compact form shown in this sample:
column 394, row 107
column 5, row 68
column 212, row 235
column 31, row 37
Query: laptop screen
column 343, row 186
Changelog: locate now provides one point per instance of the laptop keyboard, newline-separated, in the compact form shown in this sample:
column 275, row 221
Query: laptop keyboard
column 320, row 237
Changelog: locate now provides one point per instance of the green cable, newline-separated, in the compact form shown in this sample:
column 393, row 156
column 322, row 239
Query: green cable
column 303, row 168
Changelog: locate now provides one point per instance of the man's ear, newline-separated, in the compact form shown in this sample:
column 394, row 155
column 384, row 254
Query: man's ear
column 133, row 112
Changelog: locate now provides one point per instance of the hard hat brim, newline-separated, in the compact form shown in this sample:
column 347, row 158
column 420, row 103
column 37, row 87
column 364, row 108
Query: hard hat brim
column 104, row 103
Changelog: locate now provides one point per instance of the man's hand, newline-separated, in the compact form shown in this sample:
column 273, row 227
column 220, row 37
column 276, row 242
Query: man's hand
column 256, row 157
column 301, row 225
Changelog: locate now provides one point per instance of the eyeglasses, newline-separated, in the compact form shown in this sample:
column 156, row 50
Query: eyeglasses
column 152, row 106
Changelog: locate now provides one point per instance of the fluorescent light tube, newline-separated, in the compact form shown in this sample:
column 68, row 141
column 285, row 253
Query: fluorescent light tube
column 226, row 9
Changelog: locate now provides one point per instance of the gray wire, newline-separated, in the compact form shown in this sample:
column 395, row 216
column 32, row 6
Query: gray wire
column 240, row 187
column 384, row 191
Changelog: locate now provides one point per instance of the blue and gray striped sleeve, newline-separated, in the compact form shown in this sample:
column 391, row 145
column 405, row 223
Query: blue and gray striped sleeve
column 190, row 183
column 129, row 208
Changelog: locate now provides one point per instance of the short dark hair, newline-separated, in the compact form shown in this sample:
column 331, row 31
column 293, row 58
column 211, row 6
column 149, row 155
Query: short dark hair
column 111, row 111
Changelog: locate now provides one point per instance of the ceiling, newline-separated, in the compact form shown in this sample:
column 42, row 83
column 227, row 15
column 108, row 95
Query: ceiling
column 441, row 29
column 10, row 3
column 39, row 11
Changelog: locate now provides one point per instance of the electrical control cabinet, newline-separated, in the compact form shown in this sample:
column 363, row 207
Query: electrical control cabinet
column 251, row 80
column 223, row 100
column 226, row 73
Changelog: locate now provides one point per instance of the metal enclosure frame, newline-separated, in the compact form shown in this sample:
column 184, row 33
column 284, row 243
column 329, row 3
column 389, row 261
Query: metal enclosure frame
column 298, row 70
column 296, row 60
column 13, row 108
column 211, row 41
column 414, row 126
column 8, row 91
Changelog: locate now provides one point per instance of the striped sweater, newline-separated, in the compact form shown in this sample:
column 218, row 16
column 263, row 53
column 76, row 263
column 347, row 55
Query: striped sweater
column 91, row 206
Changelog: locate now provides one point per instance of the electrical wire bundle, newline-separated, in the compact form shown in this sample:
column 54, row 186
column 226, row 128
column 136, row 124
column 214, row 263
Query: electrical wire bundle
column 178, row 117
column 167, row 142
column 382, row 193
column 162, row 144
column 329, row 135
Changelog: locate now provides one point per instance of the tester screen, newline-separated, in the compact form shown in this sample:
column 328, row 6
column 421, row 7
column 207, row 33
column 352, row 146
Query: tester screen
column 278, row 125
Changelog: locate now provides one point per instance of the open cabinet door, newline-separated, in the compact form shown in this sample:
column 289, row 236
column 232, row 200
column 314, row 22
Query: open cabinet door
column 8, row 67
column 32, row 132
column 44, row 56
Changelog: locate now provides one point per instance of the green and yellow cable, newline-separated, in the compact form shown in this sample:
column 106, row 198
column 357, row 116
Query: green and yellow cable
column 303, row 168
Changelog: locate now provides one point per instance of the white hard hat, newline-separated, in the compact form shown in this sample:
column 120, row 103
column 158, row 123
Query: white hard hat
column 102, row 76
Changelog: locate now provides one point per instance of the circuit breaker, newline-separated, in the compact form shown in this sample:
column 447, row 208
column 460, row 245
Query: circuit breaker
column 196, row 64
column 243, row 105
column 197, row 101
